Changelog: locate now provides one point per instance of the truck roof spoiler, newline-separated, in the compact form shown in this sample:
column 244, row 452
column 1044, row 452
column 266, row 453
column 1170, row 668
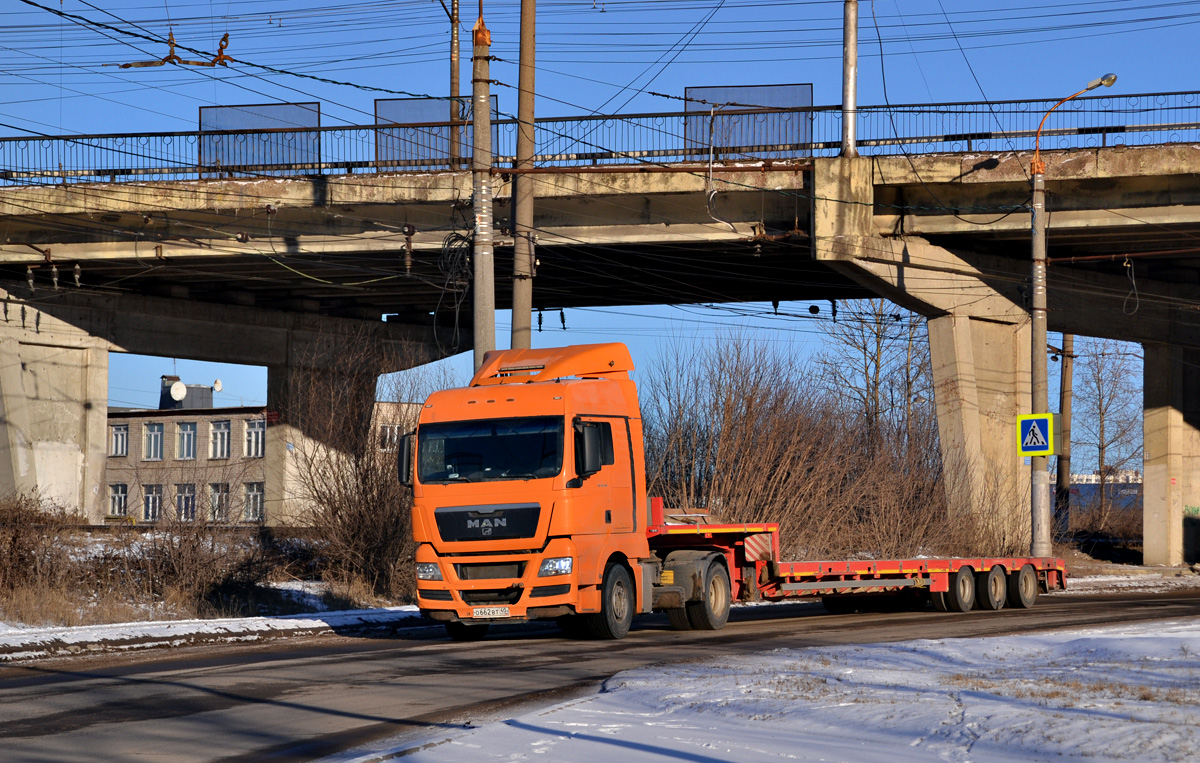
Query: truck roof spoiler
column 594, row 361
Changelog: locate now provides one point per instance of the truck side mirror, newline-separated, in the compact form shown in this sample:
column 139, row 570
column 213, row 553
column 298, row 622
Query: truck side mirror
column 593, row 449
column 404, row 459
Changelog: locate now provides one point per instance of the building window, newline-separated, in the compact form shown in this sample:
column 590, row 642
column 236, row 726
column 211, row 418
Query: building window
column 152, row 444
column 185, row 442
column 118, row 500
column 218, row 501
column 151, row 503
column 220, row 440
column 118, row 444
column 185, row 502
column 389, row 437
column 256, row 438
column 253, row 511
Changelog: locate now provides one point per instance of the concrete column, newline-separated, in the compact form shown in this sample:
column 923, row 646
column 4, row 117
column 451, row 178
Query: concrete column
column 981, row 385
column 54, row 404
column 283, row 437
column 1171, row 455
column 18, row 469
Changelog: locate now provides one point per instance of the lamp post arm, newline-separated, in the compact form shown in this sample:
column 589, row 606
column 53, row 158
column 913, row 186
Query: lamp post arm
column 1037, row 141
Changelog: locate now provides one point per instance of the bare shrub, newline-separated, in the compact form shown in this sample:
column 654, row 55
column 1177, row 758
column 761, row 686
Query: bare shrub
column 345, row 475
column 752, row 435
column 34, row 542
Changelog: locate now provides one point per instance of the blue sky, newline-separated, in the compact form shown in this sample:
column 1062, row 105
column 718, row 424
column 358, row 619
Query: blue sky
column 594, row 56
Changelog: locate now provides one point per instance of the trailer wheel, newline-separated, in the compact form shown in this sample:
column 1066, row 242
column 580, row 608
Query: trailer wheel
column 460, row 631
column 939, row 601
column 1022, row 588
column 617, row 598
column 991, row 588
column 678, row 618
column 961, row 596
column 712, row 611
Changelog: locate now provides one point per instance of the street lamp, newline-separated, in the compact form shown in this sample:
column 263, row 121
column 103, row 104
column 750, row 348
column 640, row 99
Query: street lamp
column 1039, row 476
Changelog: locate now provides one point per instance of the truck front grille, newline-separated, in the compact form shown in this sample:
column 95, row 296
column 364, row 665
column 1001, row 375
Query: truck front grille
column 497, row 521
column 509, row 595
column 489, row 571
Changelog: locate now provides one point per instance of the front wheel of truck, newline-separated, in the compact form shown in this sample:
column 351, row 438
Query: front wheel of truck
column 460, row 631
column 617, row 602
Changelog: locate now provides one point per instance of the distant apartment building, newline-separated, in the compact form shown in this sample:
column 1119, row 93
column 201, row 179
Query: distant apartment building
column 188, row 461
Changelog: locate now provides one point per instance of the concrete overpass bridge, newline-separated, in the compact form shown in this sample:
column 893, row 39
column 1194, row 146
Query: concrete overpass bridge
column 249, row 247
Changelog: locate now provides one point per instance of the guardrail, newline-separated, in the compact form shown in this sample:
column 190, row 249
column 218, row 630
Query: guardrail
column 729, row 134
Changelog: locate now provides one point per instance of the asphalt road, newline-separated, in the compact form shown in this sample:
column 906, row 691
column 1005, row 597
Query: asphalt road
column 305, row 698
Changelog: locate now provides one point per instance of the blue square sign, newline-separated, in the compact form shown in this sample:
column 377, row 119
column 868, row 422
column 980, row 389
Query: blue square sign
column 1035, row 434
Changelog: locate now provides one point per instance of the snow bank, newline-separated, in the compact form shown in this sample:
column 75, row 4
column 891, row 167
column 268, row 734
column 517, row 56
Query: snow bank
column 1121, row 693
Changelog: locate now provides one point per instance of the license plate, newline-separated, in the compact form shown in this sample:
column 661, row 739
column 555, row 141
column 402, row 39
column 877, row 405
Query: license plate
column 490, row 612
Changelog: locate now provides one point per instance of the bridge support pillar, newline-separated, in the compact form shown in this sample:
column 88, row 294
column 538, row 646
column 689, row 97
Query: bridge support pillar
column 1171, row 453
column 981, row 384
column 54, row 433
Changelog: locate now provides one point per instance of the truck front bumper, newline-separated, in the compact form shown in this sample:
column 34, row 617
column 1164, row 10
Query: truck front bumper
column 498, row 587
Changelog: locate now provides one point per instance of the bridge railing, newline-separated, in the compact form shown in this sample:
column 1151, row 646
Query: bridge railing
column 720, row 134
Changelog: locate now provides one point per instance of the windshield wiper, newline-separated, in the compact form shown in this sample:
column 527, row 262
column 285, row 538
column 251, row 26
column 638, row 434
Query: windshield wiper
column 454, row 478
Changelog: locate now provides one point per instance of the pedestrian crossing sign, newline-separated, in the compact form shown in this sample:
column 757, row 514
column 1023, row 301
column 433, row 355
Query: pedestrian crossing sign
column 1035, row 434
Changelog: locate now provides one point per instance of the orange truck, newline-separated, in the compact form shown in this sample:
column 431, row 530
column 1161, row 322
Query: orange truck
column 529, row 503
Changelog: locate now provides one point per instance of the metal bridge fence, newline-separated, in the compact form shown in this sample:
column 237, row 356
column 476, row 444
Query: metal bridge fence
column 721, row 134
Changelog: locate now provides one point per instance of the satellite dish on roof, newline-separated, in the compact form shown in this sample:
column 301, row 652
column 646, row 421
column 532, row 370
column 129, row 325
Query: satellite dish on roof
column 217, row 386
column 178, row 391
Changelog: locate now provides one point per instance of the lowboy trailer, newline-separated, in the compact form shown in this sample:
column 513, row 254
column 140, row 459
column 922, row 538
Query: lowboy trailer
column 529, row 503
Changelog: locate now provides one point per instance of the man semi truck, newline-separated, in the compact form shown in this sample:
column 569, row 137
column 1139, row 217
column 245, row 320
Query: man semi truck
column 529, row 502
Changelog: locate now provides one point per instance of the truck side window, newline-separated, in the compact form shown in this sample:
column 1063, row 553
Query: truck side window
column 607, row 456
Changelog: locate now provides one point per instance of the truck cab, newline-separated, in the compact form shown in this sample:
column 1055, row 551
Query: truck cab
column 529, row 496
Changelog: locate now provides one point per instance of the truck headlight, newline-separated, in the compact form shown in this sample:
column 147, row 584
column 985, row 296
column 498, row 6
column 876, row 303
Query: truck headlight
column 561, row 565
column 428, row 571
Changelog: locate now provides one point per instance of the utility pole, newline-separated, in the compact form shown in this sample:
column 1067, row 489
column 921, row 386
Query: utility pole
column 1062, row 494
column 484, row 303
column 523, row 187
column 1039, row 477
column 849, row 78
column 455, row 106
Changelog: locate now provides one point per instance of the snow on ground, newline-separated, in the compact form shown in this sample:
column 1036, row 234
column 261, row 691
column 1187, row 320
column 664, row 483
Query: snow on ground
column 21, row 642
column 1118, row 693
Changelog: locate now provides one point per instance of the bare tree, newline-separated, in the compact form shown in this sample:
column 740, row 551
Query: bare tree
column 1108, row 412
column 877, row 360
column 343, row 462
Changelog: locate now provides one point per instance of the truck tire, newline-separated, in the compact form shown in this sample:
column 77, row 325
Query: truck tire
column 617, row 602
column 460, row 631
column 961, row 596
column 712, row 611
column 678, row 618
column 991, row 588
column 1022, row 588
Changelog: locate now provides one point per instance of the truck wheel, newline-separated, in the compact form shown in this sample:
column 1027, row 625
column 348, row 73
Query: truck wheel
column 460, row 631
column 991, row 588
column 961, row 596
column 1022, row 588
column 712, row 611
column 617, row 601
column 678, row 618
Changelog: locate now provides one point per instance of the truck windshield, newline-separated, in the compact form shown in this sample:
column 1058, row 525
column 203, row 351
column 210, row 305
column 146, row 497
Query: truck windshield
column 490, row 450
